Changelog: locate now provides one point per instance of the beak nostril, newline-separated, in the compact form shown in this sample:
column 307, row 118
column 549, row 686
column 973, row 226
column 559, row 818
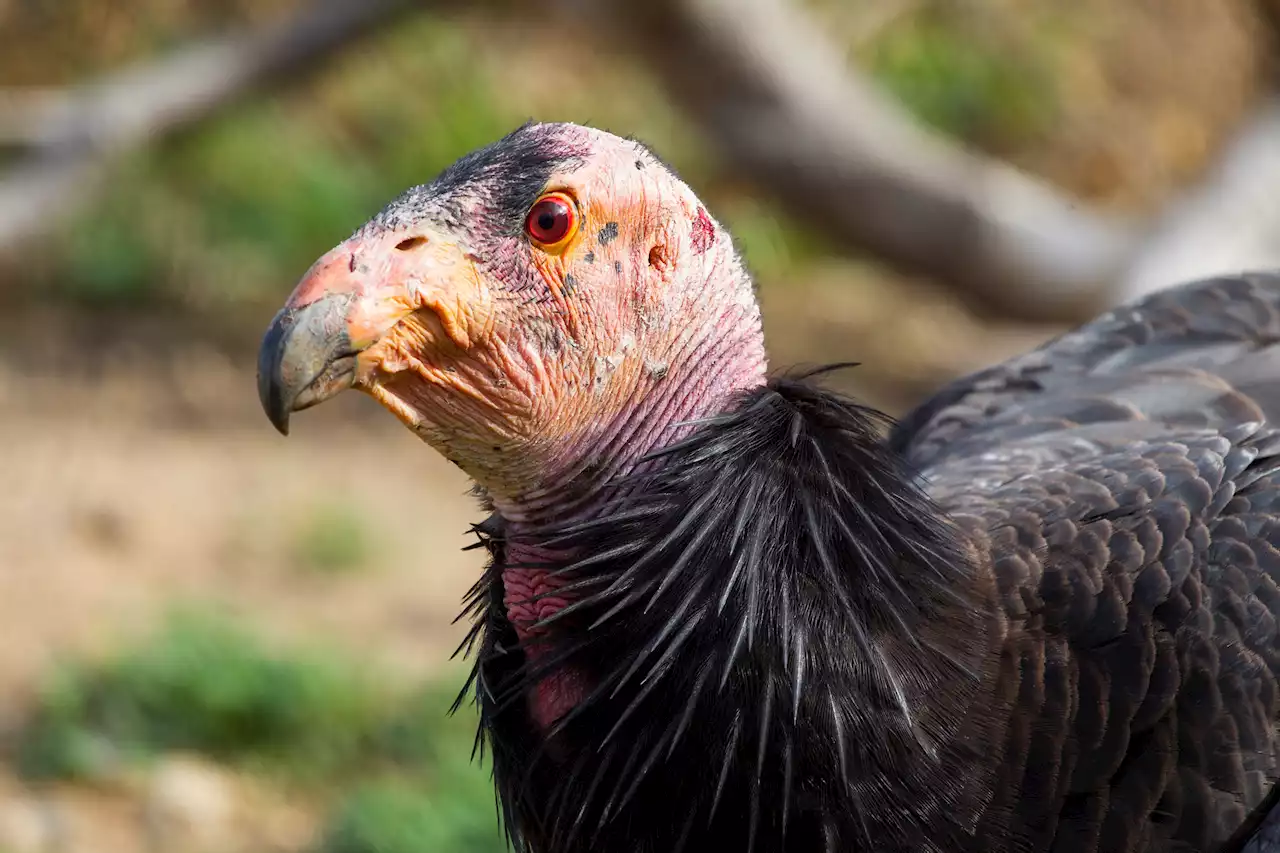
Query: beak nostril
column 409, row 243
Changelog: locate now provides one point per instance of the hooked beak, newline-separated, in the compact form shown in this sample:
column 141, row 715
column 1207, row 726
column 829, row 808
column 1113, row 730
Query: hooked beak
column 306, row 357
column 346, row 303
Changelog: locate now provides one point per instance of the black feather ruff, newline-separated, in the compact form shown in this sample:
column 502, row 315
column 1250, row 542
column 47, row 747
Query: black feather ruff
column 788, row 648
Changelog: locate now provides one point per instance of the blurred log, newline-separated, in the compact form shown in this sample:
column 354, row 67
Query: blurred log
column 786, row 111
column 71, row 136
column 784, row 107
column 1228, row 222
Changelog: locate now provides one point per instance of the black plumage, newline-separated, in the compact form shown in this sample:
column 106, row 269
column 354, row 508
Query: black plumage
column 1040, row 615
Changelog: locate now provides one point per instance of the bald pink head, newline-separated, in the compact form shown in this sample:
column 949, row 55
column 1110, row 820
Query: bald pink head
column 540, row 353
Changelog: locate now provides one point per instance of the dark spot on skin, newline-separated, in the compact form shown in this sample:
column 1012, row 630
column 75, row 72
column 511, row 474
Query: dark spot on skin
column 659, row 259
column 410, row 243
column 546, row 335
column 640, row 164
column 570, row 284
column 352, row 265
column 617, row 267
column 653, row 157
column 608, row 233
column 590, row 257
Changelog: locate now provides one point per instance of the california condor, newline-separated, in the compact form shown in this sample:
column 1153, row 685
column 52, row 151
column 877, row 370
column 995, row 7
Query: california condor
column 726, row 611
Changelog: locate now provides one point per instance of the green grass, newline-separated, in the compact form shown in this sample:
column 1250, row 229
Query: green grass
column 398, row 765
column 395, row 817
column 204, row 684
column 428, row 795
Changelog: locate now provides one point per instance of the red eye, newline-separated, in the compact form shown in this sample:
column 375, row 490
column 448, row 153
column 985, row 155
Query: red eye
column 551, row 220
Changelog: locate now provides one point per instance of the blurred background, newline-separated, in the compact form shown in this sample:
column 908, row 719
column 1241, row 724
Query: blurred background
column 218, row 640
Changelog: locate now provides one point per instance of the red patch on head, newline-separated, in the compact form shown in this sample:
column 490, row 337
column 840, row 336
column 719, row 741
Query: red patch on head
column 704, row 232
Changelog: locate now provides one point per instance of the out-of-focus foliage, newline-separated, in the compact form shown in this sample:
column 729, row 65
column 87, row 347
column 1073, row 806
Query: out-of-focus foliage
column 966, row 83
column 236, row 212
column 203, row 684
column 395, row 817
column 400, row 767
column 58, row 42
column 430, row 795
column 221, row 222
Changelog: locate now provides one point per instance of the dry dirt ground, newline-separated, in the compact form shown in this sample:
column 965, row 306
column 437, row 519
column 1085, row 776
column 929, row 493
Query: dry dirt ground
column 134, row 479
column 113, row 508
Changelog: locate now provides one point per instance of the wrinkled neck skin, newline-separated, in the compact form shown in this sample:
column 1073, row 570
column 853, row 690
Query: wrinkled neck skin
column 716, row 355
column 664, row 408
column 707, row 350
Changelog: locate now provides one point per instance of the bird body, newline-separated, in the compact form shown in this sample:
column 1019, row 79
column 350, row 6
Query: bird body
column 1126, row 476
column 726, row 611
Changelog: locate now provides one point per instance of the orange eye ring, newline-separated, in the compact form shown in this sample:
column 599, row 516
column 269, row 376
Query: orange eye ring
column 552, row 221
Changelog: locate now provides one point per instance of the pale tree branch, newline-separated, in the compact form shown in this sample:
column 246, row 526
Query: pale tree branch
column 71, row 136
column 1228, row 222
column 783, row 106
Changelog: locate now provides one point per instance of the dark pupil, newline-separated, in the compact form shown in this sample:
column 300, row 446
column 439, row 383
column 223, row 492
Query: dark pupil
column 547, row 219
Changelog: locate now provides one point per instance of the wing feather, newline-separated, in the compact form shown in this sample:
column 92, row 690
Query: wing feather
column 1126, row 477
